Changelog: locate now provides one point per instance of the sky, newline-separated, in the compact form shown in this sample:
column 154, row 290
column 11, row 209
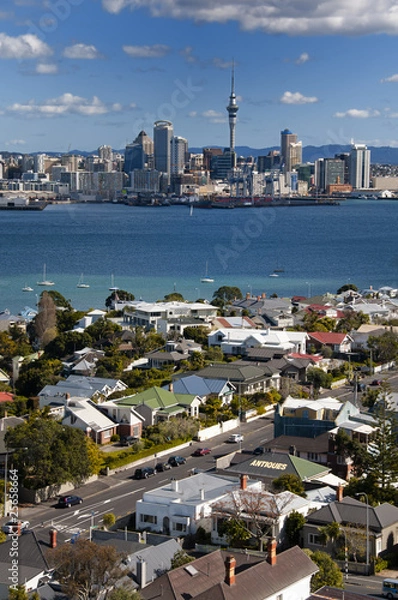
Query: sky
column 76, row 74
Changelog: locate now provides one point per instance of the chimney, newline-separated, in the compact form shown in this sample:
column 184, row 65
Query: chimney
column 272, row 552
column 53, row 538
column 230, row 564
column 141, row 572
column 202, row 493
column 339, row 493
column 243, row 482
column 248, row 296
column 263, row 295
column 171, row 387
column 174, row 484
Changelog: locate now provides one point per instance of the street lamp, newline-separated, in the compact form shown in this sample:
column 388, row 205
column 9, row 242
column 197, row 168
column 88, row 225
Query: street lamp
column 367, row 528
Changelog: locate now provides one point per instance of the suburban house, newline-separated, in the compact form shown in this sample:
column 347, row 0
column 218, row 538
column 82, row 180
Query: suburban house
column 247, row 377
column 179, row 507
column 339, row 343
column 89, row 319
column 85, row 415
column 238, row 341
column 95, row 388
column 352, row 514
column 130, row 423
column 226, row 575
column 309, row 418
column 205, row 388
column 361, row 336
column 173, row 353
column 152, row 315
column 83, row 363
column 156, row 404
column 234, row 322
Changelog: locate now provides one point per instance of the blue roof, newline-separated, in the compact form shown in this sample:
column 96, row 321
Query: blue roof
column 198, row 386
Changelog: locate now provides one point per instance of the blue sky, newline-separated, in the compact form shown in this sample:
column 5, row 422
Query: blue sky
column 81, row 73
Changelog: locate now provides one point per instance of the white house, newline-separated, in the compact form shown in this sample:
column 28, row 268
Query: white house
column 150, row 314
column 237, row 341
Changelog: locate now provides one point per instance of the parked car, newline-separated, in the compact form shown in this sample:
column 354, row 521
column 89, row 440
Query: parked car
column 67, row 501
column 128, row 440
column 201, row 452
column 376, row 382
column 259, row 450
column 144, row 473
column 176, row 461
column 14, row 526
column 235, row 437
column 162, row 466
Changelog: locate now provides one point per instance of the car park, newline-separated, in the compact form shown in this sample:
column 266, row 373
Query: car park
column 15, row 526
column 67, row 501
column 235, row 438
column 201, row 452
column 144, row 473
column 162, row 466
column 176, row 461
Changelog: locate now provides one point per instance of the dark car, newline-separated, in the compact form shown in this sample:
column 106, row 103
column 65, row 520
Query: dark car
column 259, row 450
column 67, row 501
column 144, row 473
column 376, row 382
column 176, row 461
column 201, row 452
column 162, row 466
column 128, row 440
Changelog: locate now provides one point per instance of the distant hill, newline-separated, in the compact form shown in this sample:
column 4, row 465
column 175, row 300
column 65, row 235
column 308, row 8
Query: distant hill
column 378, row 154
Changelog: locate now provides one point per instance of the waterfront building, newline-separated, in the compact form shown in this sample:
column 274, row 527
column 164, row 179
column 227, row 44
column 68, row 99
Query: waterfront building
column 359, row 166
column 179, row 154
column 39, row 163
column 139, row 154
column 145, row 180
column 105, row 153
column 328, row 171
column 291, row 150
column 162, row 135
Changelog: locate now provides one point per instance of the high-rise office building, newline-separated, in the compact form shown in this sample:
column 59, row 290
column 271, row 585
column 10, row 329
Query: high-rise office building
column 162, row 134
column 328, row 171
column 139, row 154
column 179, row 154
column 359, row 166
column 105, row 152
column 291, row 150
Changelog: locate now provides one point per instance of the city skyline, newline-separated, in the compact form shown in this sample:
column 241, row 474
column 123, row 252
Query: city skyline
column 82, row 73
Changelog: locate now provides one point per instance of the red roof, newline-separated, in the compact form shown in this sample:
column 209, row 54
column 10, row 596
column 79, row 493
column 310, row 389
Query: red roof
column 328, row 337
column 313, row 357
column 6, row 397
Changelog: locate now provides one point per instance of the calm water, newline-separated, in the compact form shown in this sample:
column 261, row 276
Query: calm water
column 153, row 251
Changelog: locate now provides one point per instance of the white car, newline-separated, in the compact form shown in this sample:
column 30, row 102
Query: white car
column 12, row 526
column 235, row 438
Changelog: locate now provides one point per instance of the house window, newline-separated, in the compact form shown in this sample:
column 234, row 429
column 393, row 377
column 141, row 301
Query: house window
column 314, row 539
column 313, row 456
column 180, row 527
column 149, row 519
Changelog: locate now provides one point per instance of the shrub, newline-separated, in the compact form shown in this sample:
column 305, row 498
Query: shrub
column 108, row 520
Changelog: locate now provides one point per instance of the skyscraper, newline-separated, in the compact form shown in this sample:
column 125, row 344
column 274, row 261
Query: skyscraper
column 232, row 109
column 291, row 150
column 359, row 166
column 162, row 134
column 179, row 154
column 139, row 154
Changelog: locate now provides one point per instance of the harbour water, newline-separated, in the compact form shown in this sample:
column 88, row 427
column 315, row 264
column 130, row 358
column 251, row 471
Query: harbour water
column 154, row 251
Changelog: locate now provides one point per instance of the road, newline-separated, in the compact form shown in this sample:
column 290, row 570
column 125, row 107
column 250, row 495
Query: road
column 118, row 493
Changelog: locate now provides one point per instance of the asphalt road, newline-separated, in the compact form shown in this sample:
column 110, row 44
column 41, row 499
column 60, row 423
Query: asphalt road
column 118, row 493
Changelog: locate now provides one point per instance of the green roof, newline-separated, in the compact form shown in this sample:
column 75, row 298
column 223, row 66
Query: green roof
column 156, row 397
column 306, row 469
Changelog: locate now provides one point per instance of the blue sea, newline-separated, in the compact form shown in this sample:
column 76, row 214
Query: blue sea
column 152, row 251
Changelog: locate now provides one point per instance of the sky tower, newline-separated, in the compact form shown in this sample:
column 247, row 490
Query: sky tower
column 232, row 109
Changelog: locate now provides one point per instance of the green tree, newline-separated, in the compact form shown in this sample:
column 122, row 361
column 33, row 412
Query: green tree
column 289, row 482
column 59, row 300
column 384, row 347
column 122, row 295
column 383, row 449
column 34, row 375
column 121, row 593
column 226, row 294
column 108, row 520
column 197, row 334
column 48, row 453
column 293, row 527
column 319, row 378
column 180, row 558
column 173, row 297
column 67, row 343
column 329, row 572
column 352, row 448
column 346, row 287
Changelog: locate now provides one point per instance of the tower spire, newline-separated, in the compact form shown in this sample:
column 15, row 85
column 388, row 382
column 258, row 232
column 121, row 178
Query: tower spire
column 232, row 109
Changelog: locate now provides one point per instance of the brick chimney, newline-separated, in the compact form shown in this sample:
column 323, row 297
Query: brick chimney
column 53, row 538
column 339, row 493
column 230, row 564
column 243, row 482
column 272, row 552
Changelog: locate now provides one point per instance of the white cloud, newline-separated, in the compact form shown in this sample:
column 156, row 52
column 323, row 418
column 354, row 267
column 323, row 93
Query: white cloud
column 64, row 105
column 155, row 51
column 46, row 68
column 356, row 113
column 23, row 46
column 222, row 64
column 212, row 116
column 294, row 17
column 15, row 143
column 297, row 98
column 303, row 58
column 81, row 51
column 392, row 79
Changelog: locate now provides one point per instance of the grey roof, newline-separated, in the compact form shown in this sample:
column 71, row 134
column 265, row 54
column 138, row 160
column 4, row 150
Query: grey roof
column 157, row 558
column 199, row 386
column 350, row 510
column 236, row 371
column 204, row 578
column 283, row 443
column 328, row 593
column 31, row 559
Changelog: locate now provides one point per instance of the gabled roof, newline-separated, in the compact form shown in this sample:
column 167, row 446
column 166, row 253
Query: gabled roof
column 273, row 464
column 350, row 510
column 89, row 414
column 328, row 337
column 199, row 386
column 31, row 559
column 156, row 398
column 233, row 372
column 255, row 578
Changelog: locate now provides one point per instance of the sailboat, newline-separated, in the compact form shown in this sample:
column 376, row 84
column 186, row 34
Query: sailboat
column 81, row 284
column 45, row 282
column 113, row 288
column 206, row 278
column 27, row 288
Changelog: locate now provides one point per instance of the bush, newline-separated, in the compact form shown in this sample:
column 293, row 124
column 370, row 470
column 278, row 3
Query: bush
column 115, row 437
column 108, row 520
column 380, row 564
